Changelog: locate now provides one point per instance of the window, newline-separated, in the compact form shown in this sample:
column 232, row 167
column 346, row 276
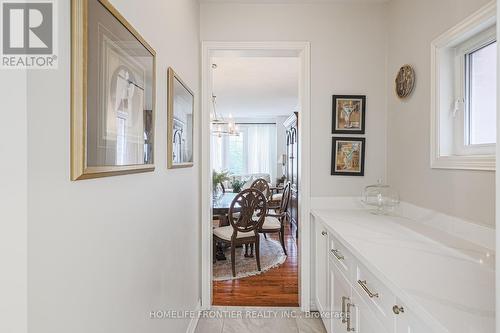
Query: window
column 235, row 160
column 464, row 86
column 253, row 151
column 475, row 110
column 481, row 85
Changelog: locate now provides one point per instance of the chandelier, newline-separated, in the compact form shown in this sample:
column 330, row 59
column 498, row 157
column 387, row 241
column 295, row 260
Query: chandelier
column 220, row 126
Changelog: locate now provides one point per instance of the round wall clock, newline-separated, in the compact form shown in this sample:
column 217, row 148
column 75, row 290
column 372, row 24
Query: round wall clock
column 405, row 81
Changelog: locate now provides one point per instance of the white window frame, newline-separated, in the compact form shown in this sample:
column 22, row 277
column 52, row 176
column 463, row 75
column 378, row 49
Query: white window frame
column 448, row 126
column 461, row 128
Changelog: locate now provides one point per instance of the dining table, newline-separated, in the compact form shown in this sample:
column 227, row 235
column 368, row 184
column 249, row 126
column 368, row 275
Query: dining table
column 220, row 209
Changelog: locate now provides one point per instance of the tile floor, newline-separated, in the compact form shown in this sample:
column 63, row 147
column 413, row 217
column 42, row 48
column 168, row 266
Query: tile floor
column 245, row 324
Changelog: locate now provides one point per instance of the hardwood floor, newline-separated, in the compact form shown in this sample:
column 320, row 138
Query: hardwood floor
column 276, row 287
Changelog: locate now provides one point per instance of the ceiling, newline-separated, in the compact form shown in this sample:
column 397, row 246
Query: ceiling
column 291, row 1
column 256, row 87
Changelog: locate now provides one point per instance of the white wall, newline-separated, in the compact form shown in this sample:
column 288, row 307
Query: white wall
column 466, row 194
column 105, row 252
column 348, row 55
column 13, row 202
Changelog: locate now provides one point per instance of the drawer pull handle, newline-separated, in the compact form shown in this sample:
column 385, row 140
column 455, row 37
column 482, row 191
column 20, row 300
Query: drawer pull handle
column 365, row 288
column 344, row 315
column 349, row 328
column 324, row 233
column 398, row 309
column 337, row 254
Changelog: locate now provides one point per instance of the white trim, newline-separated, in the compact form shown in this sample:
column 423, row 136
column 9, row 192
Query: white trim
column 465, row 162
column 194, row 321
column 302, row 50
column 477, row 22
column 462, row 145
column 497, row 199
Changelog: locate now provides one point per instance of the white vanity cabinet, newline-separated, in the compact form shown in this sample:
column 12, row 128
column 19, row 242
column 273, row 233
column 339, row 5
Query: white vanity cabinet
column 351, row 298
column 407, row 322
column 363, row 318
column 321, row 267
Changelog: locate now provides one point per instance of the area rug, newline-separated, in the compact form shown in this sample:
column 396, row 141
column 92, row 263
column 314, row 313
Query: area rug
column 271, row 256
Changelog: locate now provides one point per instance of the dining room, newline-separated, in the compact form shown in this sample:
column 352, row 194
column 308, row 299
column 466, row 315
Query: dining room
column 254, row 165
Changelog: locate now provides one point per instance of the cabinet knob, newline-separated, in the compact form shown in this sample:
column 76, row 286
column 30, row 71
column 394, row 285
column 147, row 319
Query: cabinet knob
column 398, row 309
column 324, row 233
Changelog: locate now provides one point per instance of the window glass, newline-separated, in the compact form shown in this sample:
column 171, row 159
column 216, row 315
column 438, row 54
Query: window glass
column 235, row 160
column 482, row 95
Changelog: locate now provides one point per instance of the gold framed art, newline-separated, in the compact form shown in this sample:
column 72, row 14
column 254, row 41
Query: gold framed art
column 113, row 94
column 180, row 122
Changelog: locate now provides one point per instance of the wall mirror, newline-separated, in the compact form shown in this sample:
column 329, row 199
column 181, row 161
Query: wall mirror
column 180, row 122
column 113, row 93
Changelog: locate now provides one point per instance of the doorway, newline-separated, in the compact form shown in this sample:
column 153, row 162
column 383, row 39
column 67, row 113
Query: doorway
column 242, row 128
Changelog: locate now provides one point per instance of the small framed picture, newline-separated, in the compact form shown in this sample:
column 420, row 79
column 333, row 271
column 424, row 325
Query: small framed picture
column 348, row 116
column 348, row 156
column 180, row 114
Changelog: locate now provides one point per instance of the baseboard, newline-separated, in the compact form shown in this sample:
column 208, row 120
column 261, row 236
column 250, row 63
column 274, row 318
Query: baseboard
column 312, row 306
column 194, row 321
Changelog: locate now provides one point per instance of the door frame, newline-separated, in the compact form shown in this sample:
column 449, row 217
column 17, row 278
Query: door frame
column 302, row 51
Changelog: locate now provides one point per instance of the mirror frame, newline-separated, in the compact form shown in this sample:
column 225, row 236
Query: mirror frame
column 171, row 76
column 79, row 62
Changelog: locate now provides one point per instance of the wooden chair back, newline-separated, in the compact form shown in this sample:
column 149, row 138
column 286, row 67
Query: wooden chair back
column 247, row 211
column 285, row 200
column 262, row 185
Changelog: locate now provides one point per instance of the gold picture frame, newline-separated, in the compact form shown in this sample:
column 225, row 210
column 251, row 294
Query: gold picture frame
column 180, row 122
column 80, row 86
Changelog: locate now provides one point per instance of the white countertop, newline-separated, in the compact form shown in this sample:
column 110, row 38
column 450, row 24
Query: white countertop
column 442, row 278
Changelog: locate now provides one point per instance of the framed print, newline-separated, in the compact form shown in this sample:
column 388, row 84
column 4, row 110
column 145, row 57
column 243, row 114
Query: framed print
column 348, row 156
column 348, row 116
column 113, row 94
column 180, row 112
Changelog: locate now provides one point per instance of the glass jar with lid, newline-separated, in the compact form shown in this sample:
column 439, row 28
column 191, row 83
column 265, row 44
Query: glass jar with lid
column 381, row 198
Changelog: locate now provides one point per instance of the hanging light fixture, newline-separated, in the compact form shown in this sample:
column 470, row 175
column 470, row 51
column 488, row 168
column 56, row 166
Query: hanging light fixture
column 220, row 126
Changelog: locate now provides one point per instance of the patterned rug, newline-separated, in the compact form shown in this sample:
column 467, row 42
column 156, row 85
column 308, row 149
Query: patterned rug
column 271, row 256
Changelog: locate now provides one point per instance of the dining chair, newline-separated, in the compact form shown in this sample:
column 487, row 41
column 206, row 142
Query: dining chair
column 246, row 216
column 274, row 221
column 262, row 185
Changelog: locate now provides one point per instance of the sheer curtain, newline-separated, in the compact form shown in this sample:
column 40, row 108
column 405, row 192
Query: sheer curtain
column 253, row 151
column 261, row 149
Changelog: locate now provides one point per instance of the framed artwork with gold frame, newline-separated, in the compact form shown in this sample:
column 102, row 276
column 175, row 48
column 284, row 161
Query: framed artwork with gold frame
column 180, row 118
column 113, row 93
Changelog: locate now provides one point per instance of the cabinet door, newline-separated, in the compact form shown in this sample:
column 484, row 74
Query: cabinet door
column 321, row 269
column 340, row 296
column 407, row 322
column 362, row 319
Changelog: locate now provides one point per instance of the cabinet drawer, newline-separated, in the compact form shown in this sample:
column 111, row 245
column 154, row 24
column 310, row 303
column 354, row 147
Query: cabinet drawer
column 363, row 319
column 376, row 295
column 340, row 256
column 407, row 321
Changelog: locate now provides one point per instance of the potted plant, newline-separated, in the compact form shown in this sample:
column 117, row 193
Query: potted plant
column 217, row 179
column 237, row 185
